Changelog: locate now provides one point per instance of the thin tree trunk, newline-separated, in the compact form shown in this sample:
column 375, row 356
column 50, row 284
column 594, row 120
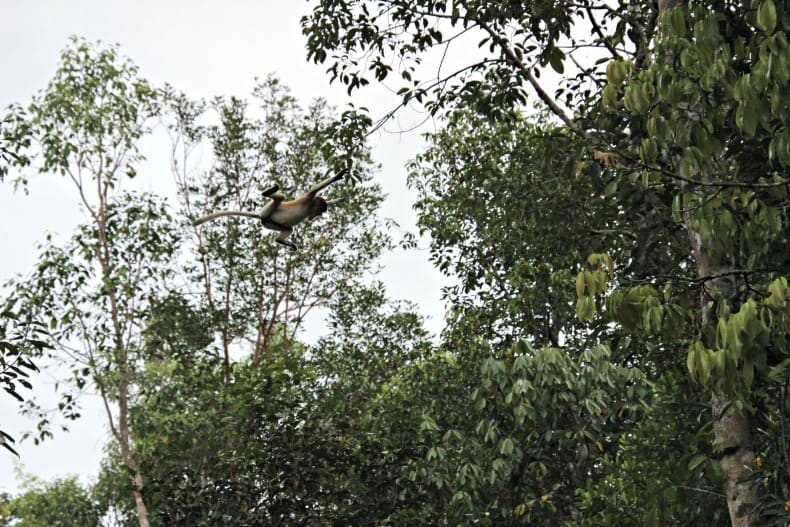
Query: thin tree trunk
column 126, row 451
column 123, row 433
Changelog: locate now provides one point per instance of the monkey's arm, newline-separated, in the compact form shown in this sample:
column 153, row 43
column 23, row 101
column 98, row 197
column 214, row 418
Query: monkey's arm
column 219, row 214
column 318, row 187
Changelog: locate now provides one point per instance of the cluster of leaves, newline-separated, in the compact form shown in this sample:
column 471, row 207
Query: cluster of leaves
column 495, row 201
column 540, row 423
column 302, row 437
column 143, row 241
column 57, row 502
column 16, row 365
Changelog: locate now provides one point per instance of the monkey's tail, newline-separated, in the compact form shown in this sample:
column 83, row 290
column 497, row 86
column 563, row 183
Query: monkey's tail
column 219, row 214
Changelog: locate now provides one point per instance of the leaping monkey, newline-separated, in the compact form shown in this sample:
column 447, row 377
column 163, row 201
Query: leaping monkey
column 282, row 216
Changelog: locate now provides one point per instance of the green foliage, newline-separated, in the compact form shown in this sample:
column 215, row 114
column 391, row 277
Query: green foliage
column 16, row 351
column 65, row 294
column 85, row 125
column 715, row 123
column 542, row 422
column 371, row 338
column 215, row 455
column 662, row 472
column 196, row 423
column 663, row 197
column 87, row 122
column 93, row 293
column 58, row 503
column 253, row 285
column 494, row 216
column 302, row 437
column 683, row 111
column 362, row 41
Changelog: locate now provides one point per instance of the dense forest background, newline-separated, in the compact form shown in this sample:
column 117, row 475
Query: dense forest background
column 607, row 193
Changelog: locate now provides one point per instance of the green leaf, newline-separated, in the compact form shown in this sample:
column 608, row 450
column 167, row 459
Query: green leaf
column 748, row 372
column 580, row 284
column 691, row 362
column 556, row 58
column 696, row 461
column 506, row 447
column 766, row 16
column 750, row 118
column 705, row 366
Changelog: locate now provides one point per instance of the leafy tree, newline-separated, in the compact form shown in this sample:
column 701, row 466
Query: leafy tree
column 59, row 503
column 163, row 357
column 724, row 177
column 533, row 231
column 225, row 453
column 236, row 422
column 294, row 439
column 86, row 126
column 681, row 109
column 253, row 287
column 494, row 198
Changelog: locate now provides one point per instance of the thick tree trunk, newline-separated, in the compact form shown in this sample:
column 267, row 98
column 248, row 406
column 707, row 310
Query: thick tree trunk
column 733, row 435
column 731, row 428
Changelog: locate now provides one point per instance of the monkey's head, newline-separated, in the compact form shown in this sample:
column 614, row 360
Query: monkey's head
column 317, row 207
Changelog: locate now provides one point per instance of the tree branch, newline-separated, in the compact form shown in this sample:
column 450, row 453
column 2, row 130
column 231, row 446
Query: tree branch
column 599, row 32
column 527, row 72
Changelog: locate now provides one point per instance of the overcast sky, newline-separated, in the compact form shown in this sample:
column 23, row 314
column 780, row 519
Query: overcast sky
column 204, row 48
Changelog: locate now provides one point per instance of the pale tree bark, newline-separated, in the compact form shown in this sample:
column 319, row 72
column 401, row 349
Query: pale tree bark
column 124, row 440
column 733, row 437
column 731, row 428
column 122, row 432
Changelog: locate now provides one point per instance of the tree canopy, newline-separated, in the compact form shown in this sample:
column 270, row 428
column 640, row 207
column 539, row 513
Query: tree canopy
column 607, row 190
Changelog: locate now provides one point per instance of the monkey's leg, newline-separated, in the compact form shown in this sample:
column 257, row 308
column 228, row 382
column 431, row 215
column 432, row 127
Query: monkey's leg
column 284, row 230
column 282, row 238
column 271, row 205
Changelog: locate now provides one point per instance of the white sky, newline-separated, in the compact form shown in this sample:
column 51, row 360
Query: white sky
column 204, row 48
